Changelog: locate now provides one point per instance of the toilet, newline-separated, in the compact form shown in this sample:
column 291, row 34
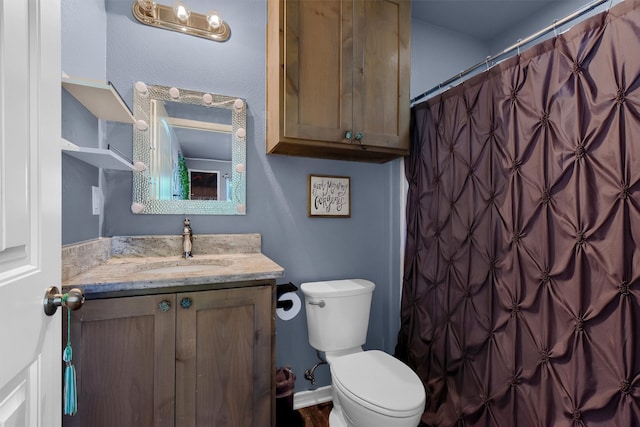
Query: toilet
column 369, row 388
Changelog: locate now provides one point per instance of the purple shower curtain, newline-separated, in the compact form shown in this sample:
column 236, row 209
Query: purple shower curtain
column 521, row 290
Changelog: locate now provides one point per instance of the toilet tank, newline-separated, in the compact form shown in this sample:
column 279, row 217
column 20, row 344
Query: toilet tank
column 337, row 313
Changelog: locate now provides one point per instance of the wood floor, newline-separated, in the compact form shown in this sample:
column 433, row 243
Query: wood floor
column 312, row 416
column 316, row 416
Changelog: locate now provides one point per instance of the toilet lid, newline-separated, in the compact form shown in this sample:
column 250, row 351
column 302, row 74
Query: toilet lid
column 382, row 381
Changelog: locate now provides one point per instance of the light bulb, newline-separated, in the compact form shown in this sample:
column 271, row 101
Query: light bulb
column 147, row 5
column 142, row 125
column 137, row 207
column 214, row 19
column 181, row 11
column 141, row 87
column 139, row 166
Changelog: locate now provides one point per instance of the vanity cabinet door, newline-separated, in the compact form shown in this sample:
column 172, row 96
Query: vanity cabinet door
column 124, row 357
column 224, row 358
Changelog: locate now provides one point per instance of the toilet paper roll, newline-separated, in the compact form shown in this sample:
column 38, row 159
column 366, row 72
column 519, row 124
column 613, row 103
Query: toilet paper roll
column 288, row 314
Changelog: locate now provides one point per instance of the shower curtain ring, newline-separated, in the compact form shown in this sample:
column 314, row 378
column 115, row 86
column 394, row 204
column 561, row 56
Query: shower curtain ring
column 519, row 40
column 555, row 27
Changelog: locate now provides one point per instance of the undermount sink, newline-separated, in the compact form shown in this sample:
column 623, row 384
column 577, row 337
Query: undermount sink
column 192, row 265
column 179, row 269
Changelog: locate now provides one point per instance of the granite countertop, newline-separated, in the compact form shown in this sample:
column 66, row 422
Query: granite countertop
column 121, row 266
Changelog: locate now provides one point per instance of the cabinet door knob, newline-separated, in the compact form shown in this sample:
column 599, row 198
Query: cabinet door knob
column 358, row 136
column 164, row 306
column 185, row 303
column 347, row 134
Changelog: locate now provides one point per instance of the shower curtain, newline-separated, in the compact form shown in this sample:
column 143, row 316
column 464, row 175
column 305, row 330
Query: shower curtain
column 520, row 304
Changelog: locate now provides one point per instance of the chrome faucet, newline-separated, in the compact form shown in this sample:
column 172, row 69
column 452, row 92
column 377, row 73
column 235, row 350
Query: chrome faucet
column 187, row 239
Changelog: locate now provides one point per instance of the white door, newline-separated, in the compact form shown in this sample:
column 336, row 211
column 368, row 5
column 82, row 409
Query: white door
column 30, row 341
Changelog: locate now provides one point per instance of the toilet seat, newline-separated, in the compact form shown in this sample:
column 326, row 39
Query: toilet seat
column 379, row 382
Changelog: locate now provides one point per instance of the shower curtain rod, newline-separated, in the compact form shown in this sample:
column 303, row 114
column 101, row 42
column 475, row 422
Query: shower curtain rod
column 557, row 23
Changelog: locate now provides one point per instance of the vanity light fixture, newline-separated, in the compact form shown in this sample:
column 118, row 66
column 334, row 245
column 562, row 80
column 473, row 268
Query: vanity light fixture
column 181, row 19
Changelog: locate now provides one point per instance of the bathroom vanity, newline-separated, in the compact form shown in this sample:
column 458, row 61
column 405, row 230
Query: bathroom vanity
column 164, row 341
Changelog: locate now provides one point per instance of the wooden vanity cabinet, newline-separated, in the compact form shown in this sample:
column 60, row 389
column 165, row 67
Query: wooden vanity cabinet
column 338, row 74
column 203, row 358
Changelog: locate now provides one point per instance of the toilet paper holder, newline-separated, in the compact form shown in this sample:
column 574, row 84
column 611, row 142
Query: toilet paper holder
column 283, row 289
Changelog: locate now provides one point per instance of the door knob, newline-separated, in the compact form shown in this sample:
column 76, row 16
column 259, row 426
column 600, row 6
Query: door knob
column 347, row 134
column 53, row 299
column 358, row 136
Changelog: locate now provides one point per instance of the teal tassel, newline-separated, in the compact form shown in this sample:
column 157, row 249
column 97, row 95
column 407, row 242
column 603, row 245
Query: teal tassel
column 70, row 396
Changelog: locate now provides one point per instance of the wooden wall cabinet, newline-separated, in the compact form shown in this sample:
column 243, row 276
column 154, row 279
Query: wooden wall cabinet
column 203, row 358
column 338, row 74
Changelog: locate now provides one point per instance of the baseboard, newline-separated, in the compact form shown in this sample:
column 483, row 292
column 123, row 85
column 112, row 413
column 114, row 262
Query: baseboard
column 303, row 399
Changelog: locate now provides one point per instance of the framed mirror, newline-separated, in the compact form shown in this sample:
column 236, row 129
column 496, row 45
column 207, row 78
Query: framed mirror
column 189, row 151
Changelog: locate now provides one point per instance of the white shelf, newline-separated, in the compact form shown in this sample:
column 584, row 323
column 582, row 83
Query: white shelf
column 104, row 102
column 99, row 157
column 101, row 98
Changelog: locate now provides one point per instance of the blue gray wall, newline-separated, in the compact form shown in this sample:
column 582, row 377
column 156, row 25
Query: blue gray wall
column 439, row 53
column 554, row 11
column 84, row 35
column 102, row 40
column 367, row 245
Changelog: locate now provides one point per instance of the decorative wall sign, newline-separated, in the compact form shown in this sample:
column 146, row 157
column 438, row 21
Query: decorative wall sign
column 329, row 196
